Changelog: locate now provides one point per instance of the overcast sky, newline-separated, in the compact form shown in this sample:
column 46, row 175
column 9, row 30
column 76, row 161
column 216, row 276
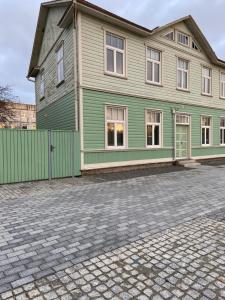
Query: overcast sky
column 18, row 21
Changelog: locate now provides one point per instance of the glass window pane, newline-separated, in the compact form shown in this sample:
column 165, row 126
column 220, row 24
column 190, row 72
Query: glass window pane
column 155, row 55
column 156, row 73
column 114, row 114
column 120, row 134
column 108, row 39
column 110, row 60
column 207, row 136
column 222, row 122
column 114, row 41
column 110, row 133
column 185, row 80
column 120, row 43
column 119, row 62
column 179, row 79
column 203, row 136
column 149, row 135
column 109, row 113
column 156, row 135
column 121, row 114
column 149, row 71
column 223, row 77
column 221, row 136
column 158, row 117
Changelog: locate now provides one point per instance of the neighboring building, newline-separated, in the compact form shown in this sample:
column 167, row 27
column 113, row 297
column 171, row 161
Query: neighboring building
column 136, row 95
column 23, row 116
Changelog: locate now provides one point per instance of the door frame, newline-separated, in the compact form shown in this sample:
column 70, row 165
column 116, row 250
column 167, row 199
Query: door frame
column 188, row 124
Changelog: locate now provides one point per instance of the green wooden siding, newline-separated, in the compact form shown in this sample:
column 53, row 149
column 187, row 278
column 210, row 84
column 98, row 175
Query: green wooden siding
column 24, row 155
column 59, row 114
column 94, row 128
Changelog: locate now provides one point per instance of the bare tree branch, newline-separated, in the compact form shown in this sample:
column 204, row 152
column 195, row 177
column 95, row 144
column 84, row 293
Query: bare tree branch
column 6, row 104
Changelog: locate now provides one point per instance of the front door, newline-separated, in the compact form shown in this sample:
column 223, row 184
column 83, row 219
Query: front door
column 182, row 144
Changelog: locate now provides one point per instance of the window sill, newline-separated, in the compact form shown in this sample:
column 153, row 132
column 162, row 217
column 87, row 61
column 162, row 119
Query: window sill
column 153, row 83
column 207, row 95
column 206, row 146
column 153, row 147
column 183, row 90
column 222, row 98
column 115, row 148
column 60, row 83
column 115, row 75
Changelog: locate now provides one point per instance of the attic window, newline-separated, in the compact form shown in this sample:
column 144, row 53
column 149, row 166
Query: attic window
column 183, row 39
column 194, row 45
column 169, row 35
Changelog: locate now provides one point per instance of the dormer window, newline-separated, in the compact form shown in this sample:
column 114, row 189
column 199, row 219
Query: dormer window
column 194, row 45
column 183, row 39
column 169, row 35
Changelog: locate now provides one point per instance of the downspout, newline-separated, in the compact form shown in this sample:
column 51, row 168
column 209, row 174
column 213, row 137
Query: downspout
column 174, row 134
column 76, row 77
column 78, row 56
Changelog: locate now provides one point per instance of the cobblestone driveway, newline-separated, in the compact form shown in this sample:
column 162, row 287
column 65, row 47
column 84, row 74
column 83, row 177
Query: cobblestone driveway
column 54, row 233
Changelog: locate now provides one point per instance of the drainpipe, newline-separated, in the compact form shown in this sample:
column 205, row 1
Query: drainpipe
column 174, row 134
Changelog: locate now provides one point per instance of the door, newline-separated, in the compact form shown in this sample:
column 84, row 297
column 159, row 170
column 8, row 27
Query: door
column 182, row 144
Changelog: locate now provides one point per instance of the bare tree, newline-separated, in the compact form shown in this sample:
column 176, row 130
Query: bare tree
column 6, row 103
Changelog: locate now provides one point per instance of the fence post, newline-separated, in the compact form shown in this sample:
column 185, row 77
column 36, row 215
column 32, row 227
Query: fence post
column 49, row 156
column 73, row 154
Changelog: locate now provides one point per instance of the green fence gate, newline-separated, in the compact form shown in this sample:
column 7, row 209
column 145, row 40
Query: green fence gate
column 27, row 155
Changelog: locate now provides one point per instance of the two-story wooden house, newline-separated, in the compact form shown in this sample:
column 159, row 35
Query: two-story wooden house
column 136, row 95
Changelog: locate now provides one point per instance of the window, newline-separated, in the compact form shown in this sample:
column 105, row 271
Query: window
column 182, row 119
column 115, row 54
column 194, row 45
column 153, row 66
column 183, row 39
column 116, row 127
column 182, row 74
column 222, row 85
column 222, row 131
column 206, row 130
column 169, row 35
column 60, row 64
column 42, row 85
column 153, row 128
column 206, row 81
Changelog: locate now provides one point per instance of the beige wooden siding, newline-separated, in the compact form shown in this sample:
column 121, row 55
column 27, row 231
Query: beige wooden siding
column 52, row 92
column 93, row 66
column 52, row 31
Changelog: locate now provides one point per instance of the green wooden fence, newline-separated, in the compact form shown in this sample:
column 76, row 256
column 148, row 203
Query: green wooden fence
column 27, row 155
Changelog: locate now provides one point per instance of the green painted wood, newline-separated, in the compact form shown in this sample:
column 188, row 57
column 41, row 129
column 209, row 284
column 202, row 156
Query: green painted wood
column 24, row 155
column 59, row 114
column 94, row 128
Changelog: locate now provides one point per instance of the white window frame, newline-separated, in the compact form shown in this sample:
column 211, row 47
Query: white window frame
column 153, row 66
column 223, row 129
column 42, row 85
column 185, row 35
column 154, row 124
column 182, row 76
column 169, row 32
column 222, row 86
column 115, row 50
column 60, row 77
column 125, row 124
column 210, row 81
column 210, row 131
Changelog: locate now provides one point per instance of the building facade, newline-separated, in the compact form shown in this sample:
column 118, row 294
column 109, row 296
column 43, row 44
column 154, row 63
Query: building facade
column 136, row 95
column 23, row 116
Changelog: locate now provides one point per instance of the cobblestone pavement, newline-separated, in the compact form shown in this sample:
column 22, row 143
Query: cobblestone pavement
column 42, row 235
column 186, row 262
column 17, row 190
